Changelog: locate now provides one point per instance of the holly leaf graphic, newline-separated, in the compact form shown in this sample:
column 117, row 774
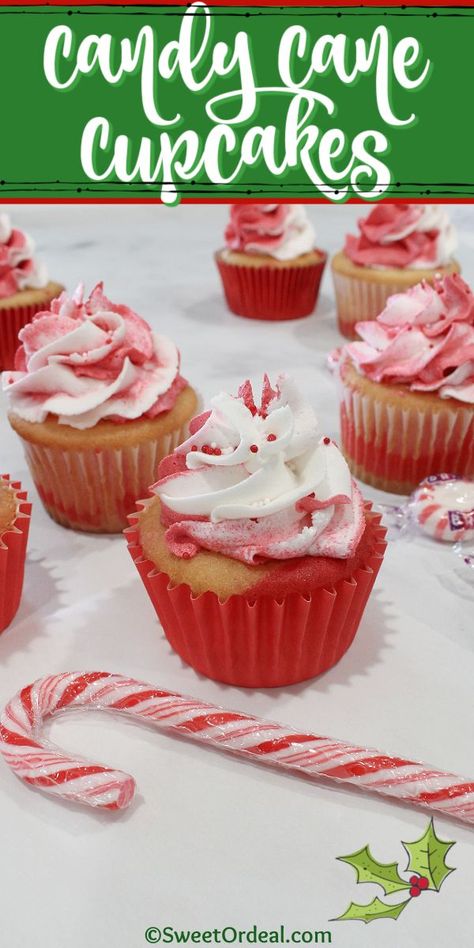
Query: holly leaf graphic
column 427, row 856
column 371, row 912
column 368, row 869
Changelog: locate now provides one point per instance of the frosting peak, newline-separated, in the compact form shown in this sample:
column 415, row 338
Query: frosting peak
column 18, row 267
column 282, row 231
column 403, row 235
column 424, row 338
column 259, row 482
column 84, row 361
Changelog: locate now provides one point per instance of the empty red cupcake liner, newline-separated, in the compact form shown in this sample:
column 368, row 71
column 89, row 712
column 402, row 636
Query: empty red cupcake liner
column 94, row 490
column 271, row 293
column 394, row 447
column 261, row 643
column 12, row 319
column 13, row 543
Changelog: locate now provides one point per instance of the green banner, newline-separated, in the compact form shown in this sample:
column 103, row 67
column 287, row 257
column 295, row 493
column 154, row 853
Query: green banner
column 210, row 102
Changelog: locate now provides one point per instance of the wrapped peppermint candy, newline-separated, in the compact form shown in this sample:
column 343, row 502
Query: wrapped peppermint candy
column 442, row 506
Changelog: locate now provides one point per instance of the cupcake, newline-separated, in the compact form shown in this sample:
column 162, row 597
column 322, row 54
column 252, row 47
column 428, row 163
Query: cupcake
column 24, row 287
column 14, row 527
column 270, row 268
column 398, row 245
column 407, row 389
column 256, row 547
column 98, row 400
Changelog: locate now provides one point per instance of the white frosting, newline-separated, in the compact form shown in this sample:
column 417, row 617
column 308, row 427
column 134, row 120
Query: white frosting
column 53, row 384
column 239, row 486
column 433, row 217
column 37, row 276
column 299, row 236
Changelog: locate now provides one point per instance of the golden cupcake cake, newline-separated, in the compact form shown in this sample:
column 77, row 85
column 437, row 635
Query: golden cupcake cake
column 270, row 267
column 98, row 400
column 14, row 527
column 25, row 288
column 256, row 547
column 398, row 246
column 407, row 388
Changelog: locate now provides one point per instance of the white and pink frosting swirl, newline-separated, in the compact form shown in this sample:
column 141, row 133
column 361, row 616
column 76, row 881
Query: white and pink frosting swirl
column 416, row 236
column 282, row 231
column 19, row 269
column 260, row 483
column 424, row 338
column 85, row 361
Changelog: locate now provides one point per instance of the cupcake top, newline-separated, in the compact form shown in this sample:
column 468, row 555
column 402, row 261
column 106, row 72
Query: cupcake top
column 19, row 269
column 416, row 236
column 424, row 339
column 86, row 361
column 8, row 505
column 282, row 231
column 259, row 482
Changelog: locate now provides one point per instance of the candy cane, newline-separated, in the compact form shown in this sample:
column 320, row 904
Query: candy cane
column 41, row 764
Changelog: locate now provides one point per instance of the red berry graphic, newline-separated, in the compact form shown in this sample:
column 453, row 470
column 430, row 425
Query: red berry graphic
column 414, row 880
column 423, row 882
column 414, row 891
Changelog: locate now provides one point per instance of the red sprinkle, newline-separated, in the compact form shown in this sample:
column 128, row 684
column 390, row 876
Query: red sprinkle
column 254, row 448
column 194, row 447
column 327, row 440
column 217, row 452
column 271, row 437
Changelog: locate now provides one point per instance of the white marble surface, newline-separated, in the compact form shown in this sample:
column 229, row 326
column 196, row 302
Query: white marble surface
column 212, row 841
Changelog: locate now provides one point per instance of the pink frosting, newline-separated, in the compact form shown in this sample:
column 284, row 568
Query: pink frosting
column 258, row 482
column 84, row 361
column 18, row 267
column 277, row 230
column 402, row 235
column 424, row 338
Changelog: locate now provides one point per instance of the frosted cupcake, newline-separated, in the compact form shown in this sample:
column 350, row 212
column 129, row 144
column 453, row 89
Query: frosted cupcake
column 270, row 268
column 24, row 287
column 14, row 527
column 407, row 407
column 257, row 549
column 398, row 245
column 98, row 400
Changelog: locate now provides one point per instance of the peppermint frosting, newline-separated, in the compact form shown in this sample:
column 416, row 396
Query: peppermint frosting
column 403, row 235
column 19, row 269
column 258, row 483
column 282, row 231
column 84, row 361
column 424, row 338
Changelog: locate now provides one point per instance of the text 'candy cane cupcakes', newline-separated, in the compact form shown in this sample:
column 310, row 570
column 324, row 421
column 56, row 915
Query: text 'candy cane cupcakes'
column 407, row 390
column 14, row 526
column 98, row 400
column 24, row 287
column 398, row 245
column 270, row 268
column 257, row 549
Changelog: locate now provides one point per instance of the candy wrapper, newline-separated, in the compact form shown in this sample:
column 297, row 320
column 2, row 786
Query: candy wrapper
column 442, row 507
column 40, row 764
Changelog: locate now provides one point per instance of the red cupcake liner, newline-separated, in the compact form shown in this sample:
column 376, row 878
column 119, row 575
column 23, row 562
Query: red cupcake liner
column 13, row 542
column 264, row 642
column 271, row 293
column 94, row 490
column 12, row 319
column 394, row 447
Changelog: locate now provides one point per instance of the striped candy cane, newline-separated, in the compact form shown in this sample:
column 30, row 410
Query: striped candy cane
column 41, row 764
